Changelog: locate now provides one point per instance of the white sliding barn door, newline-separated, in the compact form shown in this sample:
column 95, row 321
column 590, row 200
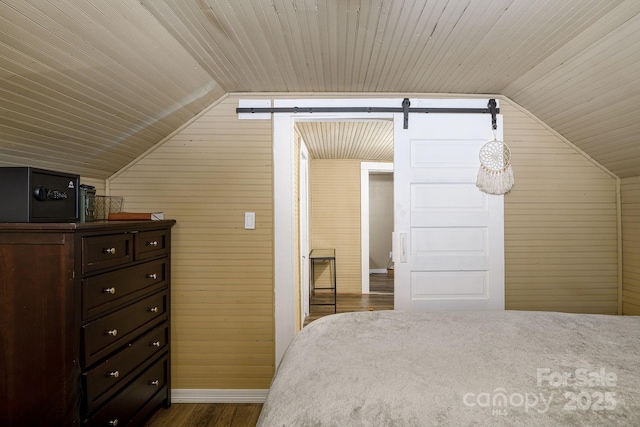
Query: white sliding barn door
column 449, row 236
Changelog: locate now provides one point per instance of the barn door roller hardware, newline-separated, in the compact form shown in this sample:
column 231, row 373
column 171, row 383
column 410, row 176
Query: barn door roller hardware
column 404, row 109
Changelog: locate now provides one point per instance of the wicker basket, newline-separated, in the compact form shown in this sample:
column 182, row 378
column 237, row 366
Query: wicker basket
column 107, row 204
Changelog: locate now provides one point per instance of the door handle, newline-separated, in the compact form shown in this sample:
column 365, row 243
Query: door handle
column 399, row 247
column 403, row 247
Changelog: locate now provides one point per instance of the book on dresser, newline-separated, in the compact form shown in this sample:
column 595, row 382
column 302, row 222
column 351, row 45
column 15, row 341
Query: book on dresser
column 129, row 216
column 84, row 322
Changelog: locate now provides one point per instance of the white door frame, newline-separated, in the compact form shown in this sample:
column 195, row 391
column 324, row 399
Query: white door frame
column 283, row 209
column 366, row 168
column 304, row 231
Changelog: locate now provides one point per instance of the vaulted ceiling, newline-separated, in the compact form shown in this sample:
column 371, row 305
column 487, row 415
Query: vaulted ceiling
column 90, row 85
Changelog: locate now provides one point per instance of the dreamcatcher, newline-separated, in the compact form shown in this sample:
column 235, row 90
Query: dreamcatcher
column 495, row 175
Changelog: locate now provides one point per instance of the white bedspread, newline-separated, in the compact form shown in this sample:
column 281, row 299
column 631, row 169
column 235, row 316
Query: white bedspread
column 396, row 368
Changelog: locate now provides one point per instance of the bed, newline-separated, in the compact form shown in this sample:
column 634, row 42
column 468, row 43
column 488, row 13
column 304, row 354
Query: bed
column 511, row 368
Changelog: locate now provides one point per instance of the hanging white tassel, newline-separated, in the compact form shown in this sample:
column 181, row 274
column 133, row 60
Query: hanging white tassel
column 495, row 182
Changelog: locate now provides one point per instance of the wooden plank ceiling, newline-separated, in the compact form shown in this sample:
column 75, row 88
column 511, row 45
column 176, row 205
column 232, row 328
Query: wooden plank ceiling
column 364, row 140
column 90, row 86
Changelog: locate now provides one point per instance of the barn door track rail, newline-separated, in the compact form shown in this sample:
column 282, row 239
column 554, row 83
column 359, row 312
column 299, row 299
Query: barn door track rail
column 405, row 109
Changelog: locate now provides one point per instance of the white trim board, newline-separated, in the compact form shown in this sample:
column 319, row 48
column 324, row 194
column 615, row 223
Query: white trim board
column 187, row 395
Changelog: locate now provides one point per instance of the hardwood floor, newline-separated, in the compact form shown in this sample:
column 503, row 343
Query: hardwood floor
column 206, row 415
column 246, row 414
column 346, row 303
column 381, row 283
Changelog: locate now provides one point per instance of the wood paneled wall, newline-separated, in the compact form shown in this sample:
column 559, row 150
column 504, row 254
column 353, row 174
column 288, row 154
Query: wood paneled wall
column 630, row 198
column 335, row 219
column 561, row 247
column 560, row 219
column 206, row 177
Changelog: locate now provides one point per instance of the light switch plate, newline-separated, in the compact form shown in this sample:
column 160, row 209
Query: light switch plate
column 249, row 220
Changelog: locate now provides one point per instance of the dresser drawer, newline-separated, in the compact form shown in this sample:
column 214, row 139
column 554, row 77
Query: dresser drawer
column 127, row 403
column 100, row 252
column 106, row 334
column 151, row 244
column 102, row 381
column 106, row 291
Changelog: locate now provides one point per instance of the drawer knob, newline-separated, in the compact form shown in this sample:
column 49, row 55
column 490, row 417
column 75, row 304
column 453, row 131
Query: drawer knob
column 113, row 422
column 154, row 383
column 152, row 276
column 155, row 344
column 110, row 251
column 114, row 374
column 152, row 243
column 154, row 309
column 112, row 332
column 109, row 291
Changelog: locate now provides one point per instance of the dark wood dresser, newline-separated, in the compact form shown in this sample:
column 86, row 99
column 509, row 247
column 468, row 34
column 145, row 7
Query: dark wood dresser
column 84, row 322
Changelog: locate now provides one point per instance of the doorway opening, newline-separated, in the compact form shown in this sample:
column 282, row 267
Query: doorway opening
column 350, row 187
column 380, row 233
column 376, row 221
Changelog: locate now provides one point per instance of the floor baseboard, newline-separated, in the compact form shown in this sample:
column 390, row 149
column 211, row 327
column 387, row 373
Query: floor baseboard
column 218, row 395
